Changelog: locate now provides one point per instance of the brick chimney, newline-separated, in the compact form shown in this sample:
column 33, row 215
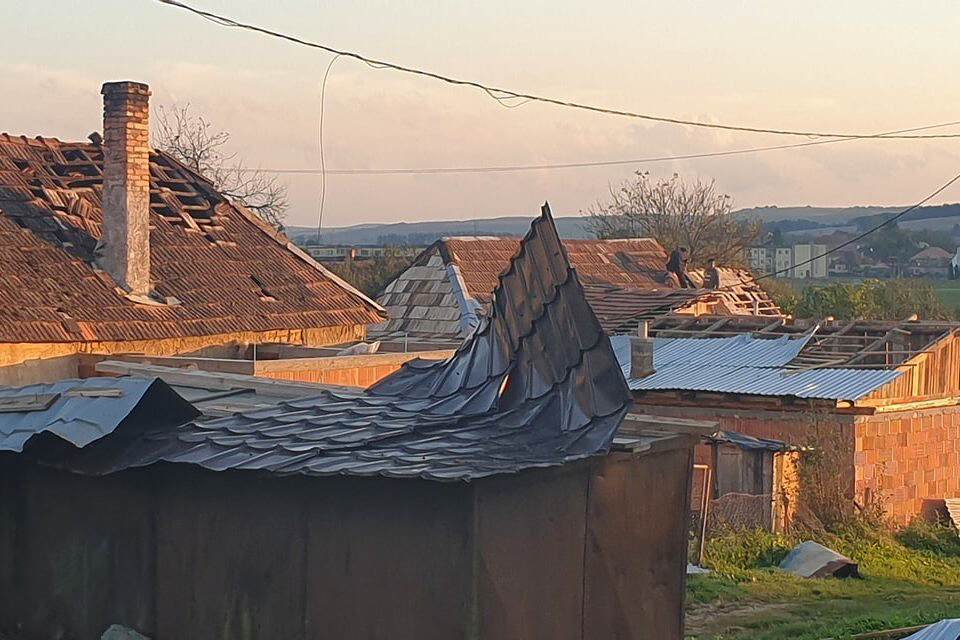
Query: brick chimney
column 641, row 353
column 125, row 233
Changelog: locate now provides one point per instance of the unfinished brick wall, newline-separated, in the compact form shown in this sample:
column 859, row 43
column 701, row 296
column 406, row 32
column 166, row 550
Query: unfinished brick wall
column 907, row 458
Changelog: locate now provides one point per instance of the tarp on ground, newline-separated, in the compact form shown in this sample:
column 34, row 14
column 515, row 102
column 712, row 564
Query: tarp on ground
column 813, row 560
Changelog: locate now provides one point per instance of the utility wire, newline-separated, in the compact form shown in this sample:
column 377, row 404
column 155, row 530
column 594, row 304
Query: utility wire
column 323, row 167
column 506, row 93
column 577, row 165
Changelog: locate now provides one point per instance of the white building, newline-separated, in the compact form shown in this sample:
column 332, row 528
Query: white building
column 797, row 261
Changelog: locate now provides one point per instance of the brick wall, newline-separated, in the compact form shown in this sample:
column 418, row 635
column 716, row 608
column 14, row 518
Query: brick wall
column 126, row 184
column 907, row 458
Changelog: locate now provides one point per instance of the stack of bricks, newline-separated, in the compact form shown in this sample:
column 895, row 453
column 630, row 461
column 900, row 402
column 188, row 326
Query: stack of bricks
column 126, row 185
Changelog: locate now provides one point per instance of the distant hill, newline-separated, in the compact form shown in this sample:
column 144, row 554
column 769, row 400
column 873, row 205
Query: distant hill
column 423, row 233
column 787, row 219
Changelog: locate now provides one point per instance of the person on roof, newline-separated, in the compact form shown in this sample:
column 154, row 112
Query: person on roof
column 711, row 275
column 677, row 265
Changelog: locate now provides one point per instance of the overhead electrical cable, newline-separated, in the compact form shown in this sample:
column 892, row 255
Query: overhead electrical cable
column 501, row 94
column 573, row 165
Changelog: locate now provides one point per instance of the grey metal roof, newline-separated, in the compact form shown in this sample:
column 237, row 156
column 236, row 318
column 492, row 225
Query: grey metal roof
column 537, row 384
column 735, row 351
column 82, row 411
column 746, row 365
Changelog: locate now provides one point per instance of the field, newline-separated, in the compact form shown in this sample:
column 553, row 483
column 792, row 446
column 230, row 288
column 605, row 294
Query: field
column 909, row 580
column 949, row 293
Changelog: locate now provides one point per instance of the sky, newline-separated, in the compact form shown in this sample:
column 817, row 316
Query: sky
column 861, row 66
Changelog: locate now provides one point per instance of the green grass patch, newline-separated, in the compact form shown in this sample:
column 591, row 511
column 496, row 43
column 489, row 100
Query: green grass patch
column 909, row 578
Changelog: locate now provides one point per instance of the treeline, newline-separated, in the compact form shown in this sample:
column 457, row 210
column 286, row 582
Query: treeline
column 873, row 299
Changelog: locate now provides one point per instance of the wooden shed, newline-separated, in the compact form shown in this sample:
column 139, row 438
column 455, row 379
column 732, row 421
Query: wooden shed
column 487, row 495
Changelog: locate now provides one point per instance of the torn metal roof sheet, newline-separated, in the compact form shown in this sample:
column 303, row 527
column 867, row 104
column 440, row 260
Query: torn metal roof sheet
column 751, row 443
column 537, row 384
column 82, row 411
column 746, row 365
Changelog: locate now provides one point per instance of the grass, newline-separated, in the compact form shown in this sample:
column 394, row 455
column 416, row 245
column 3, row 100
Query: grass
column 948, row 292
column 909, row 579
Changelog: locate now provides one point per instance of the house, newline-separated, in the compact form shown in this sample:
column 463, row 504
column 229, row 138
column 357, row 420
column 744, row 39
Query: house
column 439, row 298
column 110, row 247
column 807, row 260
column 489, row 495
column 930, row 262
column 882, row 397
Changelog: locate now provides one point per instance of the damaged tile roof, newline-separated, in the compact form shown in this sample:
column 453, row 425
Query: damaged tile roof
column 624, row 280
column 229, row 270
column 536, row 385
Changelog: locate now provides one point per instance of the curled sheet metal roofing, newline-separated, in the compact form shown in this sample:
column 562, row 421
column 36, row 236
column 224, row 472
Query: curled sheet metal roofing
column 537, row 384
column 948, row 629
column 81, row 411
column 746, row 365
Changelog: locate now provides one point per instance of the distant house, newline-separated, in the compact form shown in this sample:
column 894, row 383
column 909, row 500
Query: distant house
column 492, row 495
column 886, row 392
column 449, row 286
column 796, row 261
column 110, row 246
column 931, row 262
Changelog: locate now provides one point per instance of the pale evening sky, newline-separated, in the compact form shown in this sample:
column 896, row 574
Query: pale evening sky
column 853, row 66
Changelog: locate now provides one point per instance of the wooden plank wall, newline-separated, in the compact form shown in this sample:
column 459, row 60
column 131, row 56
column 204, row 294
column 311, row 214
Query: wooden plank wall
column 934, row 374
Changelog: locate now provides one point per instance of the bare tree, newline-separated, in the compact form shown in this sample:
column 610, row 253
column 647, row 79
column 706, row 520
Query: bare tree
column 196, row 143
column 676, row 214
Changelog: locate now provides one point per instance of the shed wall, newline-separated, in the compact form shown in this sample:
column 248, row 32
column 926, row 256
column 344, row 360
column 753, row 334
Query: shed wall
column 532, row 533
column 177, row 552
column 636, row 551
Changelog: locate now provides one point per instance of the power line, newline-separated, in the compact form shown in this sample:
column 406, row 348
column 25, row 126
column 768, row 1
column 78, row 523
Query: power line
column 575, row 165
column 323, row 167
column 501, row 94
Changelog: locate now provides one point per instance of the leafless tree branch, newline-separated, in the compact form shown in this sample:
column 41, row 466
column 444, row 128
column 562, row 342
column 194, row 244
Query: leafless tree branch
column 677, row 214
column 196, row 143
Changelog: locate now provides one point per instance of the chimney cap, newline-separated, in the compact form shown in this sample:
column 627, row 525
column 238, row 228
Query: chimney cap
column 125, row 86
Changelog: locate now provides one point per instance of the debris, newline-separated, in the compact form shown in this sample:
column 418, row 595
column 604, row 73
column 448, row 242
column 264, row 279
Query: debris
column 812, row 560
column 120, row 632
column 948, row 629
column 694, row 570
column 360, row 348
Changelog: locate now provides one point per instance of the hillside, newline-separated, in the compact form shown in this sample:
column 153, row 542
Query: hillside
column 938, row 217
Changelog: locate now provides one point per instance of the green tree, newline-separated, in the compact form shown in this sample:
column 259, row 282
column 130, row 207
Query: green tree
column 371, row 276
column 874, row 300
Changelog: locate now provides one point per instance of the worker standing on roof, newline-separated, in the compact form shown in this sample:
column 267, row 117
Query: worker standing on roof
column 677, row 265
column 711, row 276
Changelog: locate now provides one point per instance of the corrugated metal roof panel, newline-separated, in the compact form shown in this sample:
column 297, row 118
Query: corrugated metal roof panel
column 746, row 365
column 83, row 411
column 735, row 351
